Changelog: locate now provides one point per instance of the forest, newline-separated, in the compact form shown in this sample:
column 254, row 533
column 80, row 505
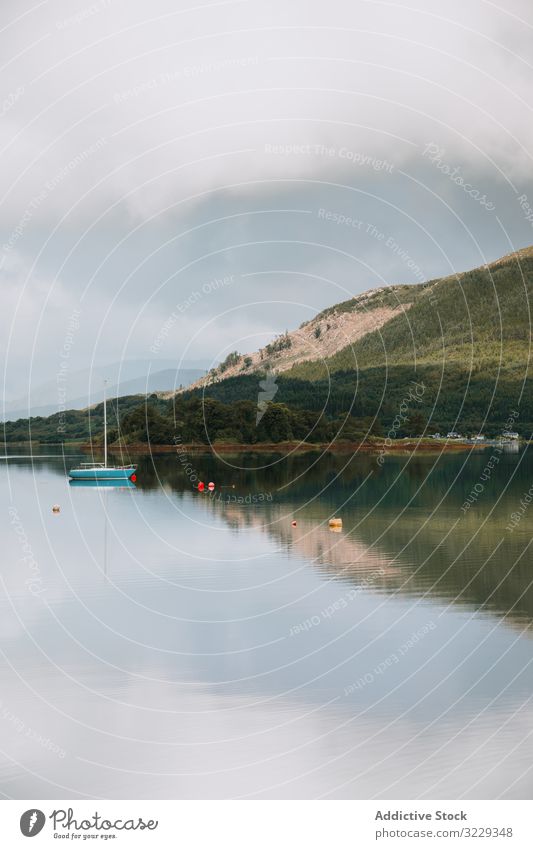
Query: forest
column 395, row 402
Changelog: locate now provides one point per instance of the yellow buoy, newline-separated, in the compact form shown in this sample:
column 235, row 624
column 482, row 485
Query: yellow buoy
column 56, row 508
column 335, row 523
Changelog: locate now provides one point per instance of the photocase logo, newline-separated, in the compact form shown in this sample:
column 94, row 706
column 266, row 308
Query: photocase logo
column 32, row 822
column 267, row 393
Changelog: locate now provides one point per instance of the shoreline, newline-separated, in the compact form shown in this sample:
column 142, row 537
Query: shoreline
column 374, row 446
column 371, row 447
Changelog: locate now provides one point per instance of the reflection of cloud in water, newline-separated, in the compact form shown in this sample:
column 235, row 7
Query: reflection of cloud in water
column 184, row 674
column 286, row 750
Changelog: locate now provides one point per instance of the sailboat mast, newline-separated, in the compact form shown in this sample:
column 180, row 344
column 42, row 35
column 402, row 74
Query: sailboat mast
column 105, row 425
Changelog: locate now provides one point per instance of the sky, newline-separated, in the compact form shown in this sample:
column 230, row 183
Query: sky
column 182, row 179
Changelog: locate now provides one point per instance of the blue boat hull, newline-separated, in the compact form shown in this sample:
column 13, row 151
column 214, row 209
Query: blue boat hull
column 93, row 474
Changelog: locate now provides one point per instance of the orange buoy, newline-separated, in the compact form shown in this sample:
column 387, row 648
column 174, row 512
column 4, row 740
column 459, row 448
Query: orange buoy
column 335, row 523
column 293, row 524
column 201, row 486
column 211, row 486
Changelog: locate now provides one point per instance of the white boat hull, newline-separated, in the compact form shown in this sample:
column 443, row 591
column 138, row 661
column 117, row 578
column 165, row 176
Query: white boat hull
column 102, row 473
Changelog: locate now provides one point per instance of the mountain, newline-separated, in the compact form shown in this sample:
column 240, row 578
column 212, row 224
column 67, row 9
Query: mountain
column 450, row 354
column 323, row 336
column 478, row 318
column 464, row 339
column 85, row 387
column 474, row 312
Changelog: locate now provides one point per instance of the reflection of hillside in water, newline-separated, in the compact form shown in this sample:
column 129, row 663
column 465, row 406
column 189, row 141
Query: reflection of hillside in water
column 407, row 554
column 404, row 530
column 340, row 556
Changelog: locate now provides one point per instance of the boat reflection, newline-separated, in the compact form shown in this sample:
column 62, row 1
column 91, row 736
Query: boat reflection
column 106, row 485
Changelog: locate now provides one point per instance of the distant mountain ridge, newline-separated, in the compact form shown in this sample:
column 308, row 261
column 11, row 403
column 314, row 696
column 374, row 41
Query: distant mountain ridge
column 86, row 387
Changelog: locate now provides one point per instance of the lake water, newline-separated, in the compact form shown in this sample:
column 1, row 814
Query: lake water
column 161, row 643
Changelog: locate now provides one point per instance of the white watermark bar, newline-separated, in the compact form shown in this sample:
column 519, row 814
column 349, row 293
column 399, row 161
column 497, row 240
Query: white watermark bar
column 263, row 824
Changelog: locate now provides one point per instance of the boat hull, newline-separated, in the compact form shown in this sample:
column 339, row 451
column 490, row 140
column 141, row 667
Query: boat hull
column 101, row 474
column 109, row 483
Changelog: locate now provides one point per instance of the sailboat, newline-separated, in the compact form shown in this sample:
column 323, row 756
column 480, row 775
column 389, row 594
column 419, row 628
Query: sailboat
column 101, row 471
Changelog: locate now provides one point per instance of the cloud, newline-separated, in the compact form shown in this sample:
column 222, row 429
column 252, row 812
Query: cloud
column 149, row 110
column 147, row 150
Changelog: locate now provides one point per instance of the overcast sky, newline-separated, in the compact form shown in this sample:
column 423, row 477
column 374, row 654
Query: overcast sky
column 175, row 174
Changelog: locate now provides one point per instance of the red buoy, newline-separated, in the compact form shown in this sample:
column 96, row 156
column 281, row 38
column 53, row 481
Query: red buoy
column 133, row 478
column 201, row 486
column 293, row 524
column 211, row 486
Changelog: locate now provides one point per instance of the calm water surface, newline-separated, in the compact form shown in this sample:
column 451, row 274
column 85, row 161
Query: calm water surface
column 159, row 643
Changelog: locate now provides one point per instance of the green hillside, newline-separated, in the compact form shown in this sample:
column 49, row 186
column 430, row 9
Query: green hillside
column 466, row 339
column 475, row 319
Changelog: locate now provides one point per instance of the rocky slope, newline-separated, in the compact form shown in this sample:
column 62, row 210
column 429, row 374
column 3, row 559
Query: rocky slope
column 323, row 336
column 325, row 343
